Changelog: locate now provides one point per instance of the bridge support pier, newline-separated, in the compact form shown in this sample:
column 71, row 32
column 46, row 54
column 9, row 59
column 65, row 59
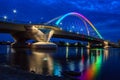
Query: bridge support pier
column 89, row 45
column 19, row 44
column 106, row 45
column 31, row 33
column 20, row 39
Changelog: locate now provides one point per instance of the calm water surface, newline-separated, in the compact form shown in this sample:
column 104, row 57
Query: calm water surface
column 93, row 64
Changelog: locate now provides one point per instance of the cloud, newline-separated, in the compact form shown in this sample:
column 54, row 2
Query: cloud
column 46, row 2
column 97, row 5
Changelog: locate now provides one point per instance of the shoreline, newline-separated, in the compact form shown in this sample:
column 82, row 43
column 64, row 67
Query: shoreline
column 9, row 73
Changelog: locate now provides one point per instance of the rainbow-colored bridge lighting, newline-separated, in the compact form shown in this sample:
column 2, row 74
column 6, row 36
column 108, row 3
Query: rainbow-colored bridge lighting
column 80, row 16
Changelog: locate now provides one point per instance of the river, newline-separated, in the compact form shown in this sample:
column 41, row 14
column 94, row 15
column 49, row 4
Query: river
column 93, row 64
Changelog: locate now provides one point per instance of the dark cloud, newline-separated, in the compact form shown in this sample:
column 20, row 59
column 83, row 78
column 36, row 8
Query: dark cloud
column 108, row 6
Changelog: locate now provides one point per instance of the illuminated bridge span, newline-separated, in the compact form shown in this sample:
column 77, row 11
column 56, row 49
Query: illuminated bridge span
column 43, row 33
column 77, row 28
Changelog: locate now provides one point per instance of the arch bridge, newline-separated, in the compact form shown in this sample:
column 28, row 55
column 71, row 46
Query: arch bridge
column 43, row 32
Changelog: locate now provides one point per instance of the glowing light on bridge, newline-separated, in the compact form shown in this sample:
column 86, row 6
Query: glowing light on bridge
column 14, row 11
column 80, row 16
column 5, row 17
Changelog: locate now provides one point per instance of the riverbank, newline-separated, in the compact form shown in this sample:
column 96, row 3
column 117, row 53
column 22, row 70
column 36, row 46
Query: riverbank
column 9, row 73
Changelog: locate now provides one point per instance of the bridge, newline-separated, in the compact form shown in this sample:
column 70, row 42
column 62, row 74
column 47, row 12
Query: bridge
column 44, row 32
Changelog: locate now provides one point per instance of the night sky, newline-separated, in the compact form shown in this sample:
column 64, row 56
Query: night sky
column 104, row 14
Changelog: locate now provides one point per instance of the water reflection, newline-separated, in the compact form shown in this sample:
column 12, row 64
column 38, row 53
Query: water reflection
column 4, row 54
column 94, row 64
column 106, row 54
column 41, row 62
column 36, row 61
column 88, row 63
column 19, row 59
column 47, row 62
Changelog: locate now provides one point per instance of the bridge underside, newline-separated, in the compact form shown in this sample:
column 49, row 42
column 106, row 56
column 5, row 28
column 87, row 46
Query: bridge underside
column 20, row 37
column 22, row 33
column 26, row 35
column 74, row 36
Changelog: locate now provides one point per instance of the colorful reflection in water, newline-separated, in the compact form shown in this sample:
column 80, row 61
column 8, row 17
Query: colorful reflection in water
column 93, row 69
column 88, row 62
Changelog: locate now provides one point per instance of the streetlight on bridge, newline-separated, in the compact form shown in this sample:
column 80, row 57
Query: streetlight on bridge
column 5, row 17
column 14, row 11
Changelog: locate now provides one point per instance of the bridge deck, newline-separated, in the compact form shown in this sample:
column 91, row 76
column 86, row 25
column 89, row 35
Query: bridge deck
column 74, row 36
column 12, row 27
